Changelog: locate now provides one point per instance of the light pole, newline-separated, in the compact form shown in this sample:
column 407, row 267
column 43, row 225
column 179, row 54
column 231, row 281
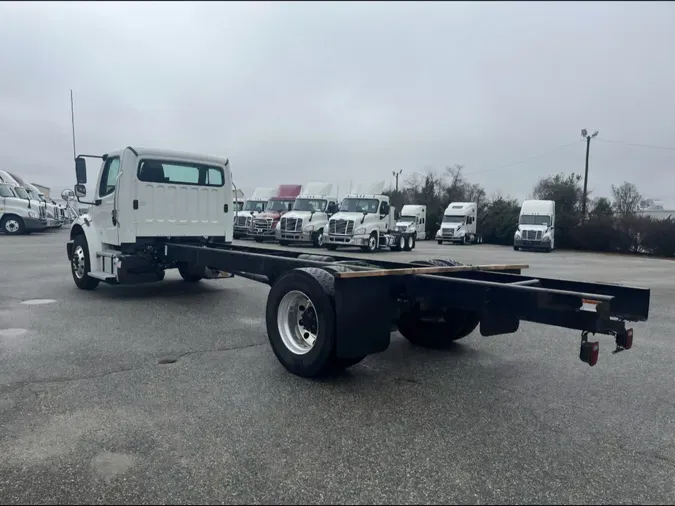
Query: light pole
column 396, row 174
column 584, row 133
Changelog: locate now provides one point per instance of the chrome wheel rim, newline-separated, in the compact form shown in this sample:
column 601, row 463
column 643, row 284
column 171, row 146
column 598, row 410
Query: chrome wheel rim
column 401, row 242
column 298, row 322
column 78, row 262
column 319, row 239
column 372, row 243
column 11, row 226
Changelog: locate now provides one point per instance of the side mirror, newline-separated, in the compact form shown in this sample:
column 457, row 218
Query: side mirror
column 68, row 195
column 80, row 172
column 80, row 190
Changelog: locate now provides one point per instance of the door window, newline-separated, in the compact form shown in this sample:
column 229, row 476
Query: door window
column 109, row 177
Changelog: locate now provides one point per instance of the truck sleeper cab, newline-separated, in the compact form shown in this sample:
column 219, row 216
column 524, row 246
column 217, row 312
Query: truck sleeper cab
column 17, row 214
column 157, row 210
column 459, row 224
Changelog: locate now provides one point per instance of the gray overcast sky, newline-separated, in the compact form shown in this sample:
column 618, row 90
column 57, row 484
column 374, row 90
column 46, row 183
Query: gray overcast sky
column 342, row 91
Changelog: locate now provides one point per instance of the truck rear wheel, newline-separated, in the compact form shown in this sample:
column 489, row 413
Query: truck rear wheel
column 12, row 225
column 188, row 273
column 300, row 318
column 80, row 266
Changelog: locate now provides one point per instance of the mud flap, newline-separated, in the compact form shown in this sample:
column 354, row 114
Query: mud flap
column 498, row 317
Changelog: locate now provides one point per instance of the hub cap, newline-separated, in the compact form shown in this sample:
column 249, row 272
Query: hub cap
column 297, row 322
column 372, row 243
column 78, row 262
column 11, row 226
column 319, row 239
column 401, row 242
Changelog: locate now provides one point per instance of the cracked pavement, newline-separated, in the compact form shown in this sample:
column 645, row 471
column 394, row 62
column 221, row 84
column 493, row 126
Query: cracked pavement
column 88, row 415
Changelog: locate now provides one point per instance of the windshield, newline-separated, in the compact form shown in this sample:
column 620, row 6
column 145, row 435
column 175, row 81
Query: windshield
column 278, row 205
column 6, row 191
column 531, row 219
column 359, row 205
column 309, row 205
column 21, row 193
column 449, row 218
column 238, row 206
column 255, row 205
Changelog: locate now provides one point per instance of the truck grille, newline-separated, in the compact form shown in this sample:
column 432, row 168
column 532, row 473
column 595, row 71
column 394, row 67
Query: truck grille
column 448, row 232
column 343, row 227
column 262, row 224
column 291, row 224
column 42, row 212
column 242, row 221
column 532, row 235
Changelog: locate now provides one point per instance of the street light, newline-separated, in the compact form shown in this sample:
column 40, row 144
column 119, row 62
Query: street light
column 584, row 133
column 396, row 174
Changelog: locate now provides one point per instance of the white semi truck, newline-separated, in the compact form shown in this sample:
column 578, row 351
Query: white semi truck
column 308, row 219
column 536, row 226
column 459, row 224
column 254, row 204
column 53, row 214
column 156, row 210
column 18, row 215
column 366, row 220
column 413, row 219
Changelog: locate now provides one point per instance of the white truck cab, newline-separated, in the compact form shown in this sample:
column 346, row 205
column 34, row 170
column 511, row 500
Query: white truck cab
column 536, row 226
column 17, row 214
column 459, row 224
column 256, row 203
column 143, row 199
column 413, row 219
column 308, row 219
column 366, row 219
column 51, row 211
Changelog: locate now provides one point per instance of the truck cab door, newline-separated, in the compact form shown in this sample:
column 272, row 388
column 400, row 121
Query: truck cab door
column 102, row 214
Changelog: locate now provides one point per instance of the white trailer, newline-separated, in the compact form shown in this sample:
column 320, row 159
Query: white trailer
column 413, row 219
column 254, row 204
column 308, row 219
column 536, row 226
column 366, row 220
column 459, row 225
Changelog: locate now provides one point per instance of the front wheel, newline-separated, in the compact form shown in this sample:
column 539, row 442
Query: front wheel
column 189, row 274
column 331, row 247
column 80, row 266
column 318, row 239
column 284, row 243
column 372, row 244
column 13, row 225
column 440, row 242
column 258, row 239
column 516, row 248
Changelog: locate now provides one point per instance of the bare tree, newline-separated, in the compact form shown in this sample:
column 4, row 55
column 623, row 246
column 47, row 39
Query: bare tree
column 626, row 199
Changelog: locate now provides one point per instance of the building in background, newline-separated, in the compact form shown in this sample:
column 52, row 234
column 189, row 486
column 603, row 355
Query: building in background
column 656, row 209
column 43, row 189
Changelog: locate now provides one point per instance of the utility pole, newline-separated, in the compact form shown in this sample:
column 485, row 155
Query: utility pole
column 396, row 174
column 584, row 133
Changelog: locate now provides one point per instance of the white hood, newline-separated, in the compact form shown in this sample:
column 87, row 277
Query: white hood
column 408, row 223
column 538, row 228
column 356, row 217
column 451, row 225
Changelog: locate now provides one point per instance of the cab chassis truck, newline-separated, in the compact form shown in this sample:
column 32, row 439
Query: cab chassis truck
column 327, row 313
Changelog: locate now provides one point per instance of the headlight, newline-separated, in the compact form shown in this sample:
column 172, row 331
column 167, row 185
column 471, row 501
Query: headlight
column 517, row 234
column 547, row 238
column 460, row 233
column 438, row 233
column 360, row 231
column 31, row 214
column 276, row 227
column 309, row 228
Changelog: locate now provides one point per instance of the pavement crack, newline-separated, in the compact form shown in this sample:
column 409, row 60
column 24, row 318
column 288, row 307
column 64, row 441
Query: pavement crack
column 216, row 350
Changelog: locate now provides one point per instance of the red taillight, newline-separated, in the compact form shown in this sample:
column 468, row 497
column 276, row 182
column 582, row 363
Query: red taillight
column 589, row 352
column 625, row 341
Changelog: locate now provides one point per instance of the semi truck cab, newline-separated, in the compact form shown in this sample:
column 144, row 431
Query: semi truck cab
column 536, row 226
column 413, row 219
column 263, row 225
column 253, row 205
column 17, row 214
column 459, row 224
column 308, row 219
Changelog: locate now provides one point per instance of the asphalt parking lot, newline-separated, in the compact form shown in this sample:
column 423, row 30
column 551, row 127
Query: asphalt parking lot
column 87, row 413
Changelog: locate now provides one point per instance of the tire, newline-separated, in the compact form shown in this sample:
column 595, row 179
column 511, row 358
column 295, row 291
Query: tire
column 331, row 247
column 407, row 244
column 13, row 225
column 412, row 242
column 439, row 242
column 400, row 244
column 516, row 248
column 312, row 354
column 188, row 275
column 258, row 239
column 80, row 266
column 455, row 324
column 317, row 241
column 283, row 243
column 372, row 244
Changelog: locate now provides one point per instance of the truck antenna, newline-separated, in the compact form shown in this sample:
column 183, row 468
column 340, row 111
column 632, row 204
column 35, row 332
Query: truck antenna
column 72, row 121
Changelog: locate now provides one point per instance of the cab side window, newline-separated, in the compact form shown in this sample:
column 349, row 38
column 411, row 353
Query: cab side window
column 109, row 177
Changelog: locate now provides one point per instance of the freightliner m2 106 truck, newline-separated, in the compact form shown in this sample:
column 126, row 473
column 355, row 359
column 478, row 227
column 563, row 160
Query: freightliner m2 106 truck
column 155, row 210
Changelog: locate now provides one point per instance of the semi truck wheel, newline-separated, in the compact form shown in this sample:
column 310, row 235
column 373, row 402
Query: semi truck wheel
column 399, row 244
column 80, row 266
column 372, row 244
column 283, row 243
column 439, row 242
column 412, row 242
column 331, row 247
column 12, row 225
column 300, row 318
column 318, row 239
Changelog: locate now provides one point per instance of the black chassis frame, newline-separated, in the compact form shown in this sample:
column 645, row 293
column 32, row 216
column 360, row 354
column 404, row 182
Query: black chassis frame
column 368, row 307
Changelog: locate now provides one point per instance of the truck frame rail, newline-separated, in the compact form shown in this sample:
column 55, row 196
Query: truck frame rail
column 371, row 295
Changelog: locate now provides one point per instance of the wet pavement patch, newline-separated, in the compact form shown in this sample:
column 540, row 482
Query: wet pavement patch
column 37, row 302
column 12, row 332
column 164, row 361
